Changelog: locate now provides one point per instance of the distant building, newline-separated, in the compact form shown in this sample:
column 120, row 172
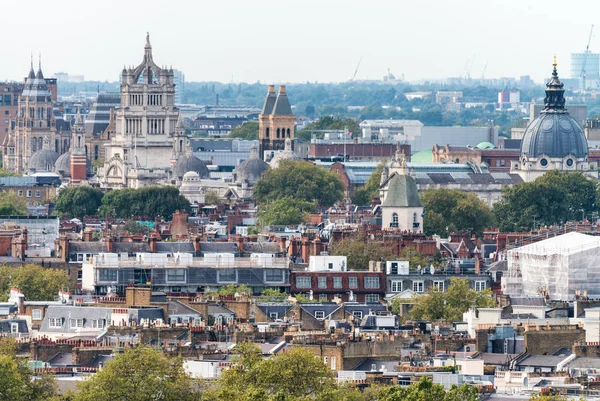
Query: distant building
column 142, row 149
column 9, row 100
column 179, row 80
column 40, row 133
column 510, row 97
column 592, row 68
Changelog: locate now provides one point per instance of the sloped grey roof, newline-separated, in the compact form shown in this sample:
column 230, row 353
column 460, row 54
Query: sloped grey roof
column 42, row 161
column 269, row 102
column 402, row 192
column 527, row 301
column 281, row 309
column 328, row 308
column 250, row 171
column 554, row 135
column 282, row 105
column 5, row 325
column 173, row 247
column 189, row 163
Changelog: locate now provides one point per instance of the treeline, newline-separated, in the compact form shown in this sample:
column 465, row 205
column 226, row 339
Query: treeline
column 149, row 201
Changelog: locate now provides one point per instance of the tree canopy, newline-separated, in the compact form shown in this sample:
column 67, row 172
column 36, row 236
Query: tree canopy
column 448, row 210
column 284, row 211
column 36, row 282
column 16, row 378
column 450, row 305
column 554, row 198
column 138, row 374
column 12, row 205
column 78, row 201
column 300, row 180
column 248, row 131
column 148, row 201
column 360, row 251
column 293, row 375
column 364, row 195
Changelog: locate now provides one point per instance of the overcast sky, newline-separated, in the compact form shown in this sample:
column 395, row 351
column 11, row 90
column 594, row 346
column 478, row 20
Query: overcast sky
column 297, row 41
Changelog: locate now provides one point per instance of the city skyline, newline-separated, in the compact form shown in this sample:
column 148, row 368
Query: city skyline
column 297, row 42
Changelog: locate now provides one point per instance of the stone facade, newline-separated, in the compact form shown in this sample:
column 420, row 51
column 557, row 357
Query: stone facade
column 139, row 153
column 276, row 123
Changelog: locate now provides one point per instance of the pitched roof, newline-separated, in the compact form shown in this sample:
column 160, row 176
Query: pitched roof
column 402, row 192
column 282, row 104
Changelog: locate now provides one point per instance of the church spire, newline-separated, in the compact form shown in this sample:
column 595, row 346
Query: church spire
column 554, row 102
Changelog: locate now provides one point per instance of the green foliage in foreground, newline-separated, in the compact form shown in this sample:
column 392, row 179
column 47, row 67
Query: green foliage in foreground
column 448, row 305
column 36, row 282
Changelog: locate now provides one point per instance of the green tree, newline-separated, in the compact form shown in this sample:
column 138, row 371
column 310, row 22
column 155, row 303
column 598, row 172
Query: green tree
column 148, row 201
column 554, row 198
column 284, row 211
column 360, row 251
column 7, row 173
column 139, row 374
column 370, row 190
column 36, row 282
column 548, row 397
column 293, row 375
column 16, row 378
column 448, row 210
column 451, row 304
column 212, row 198
column 425, row 390
column 78, row 201
column 133, row 227
column 12, row 205
column 300, row 180
column 248, row 130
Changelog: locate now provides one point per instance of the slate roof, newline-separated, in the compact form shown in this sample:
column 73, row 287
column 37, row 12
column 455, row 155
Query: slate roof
column 542, row 361
column 328, row 308
column 262, row 247
column 527, row 301
column 583, row 363
column 349, row 308
column 175, row 247
column 5, row 325
column 495, row 359
column 269, row 102
column 100, row 359
column 218, row 247
column 61, row 359
column 367, row 364
column 282, row 105
column 402, row 192
column 281, row 309
column 178, row 308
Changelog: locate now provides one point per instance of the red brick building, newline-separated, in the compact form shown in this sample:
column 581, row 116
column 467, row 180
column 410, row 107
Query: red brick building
column 365, row 286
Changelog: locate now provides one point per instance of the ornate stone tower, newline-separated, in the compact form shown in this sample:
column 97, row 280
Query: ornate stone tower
column 554, row 140
column 78, row 154
column 34, row 121
column 139, row 152
column 276, row 122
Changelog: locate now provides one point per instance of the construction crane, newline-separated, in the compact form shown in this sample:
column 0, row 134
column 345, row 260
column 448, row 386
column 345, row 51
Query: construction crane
column 484, row 70
column 585, row 56
column 353, row 77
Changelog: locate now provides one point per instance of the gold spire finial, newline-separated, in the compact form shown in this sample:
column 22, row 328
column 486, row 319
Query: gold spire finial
column 403, row 161
column 554, row 64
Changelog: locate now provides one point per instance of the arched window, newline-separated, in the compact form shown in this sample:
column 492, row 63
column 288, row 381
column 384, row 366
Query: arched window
column 96, row 151
column 34, row 145
column 86, row 150
column 288, row 133
column 268, row 132
column 57, row 146
column 394, row 222
column 78, row 141
column 65, row 146
column 278, row 133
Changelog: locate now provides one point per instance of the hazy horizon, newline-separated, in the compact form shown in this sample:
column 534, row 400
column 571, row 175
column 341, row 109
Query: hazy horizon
column 274, row 41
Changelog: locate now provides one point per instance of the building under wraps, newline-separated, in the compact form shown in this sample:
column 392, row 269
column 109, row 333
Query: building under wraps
column 556, row 267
